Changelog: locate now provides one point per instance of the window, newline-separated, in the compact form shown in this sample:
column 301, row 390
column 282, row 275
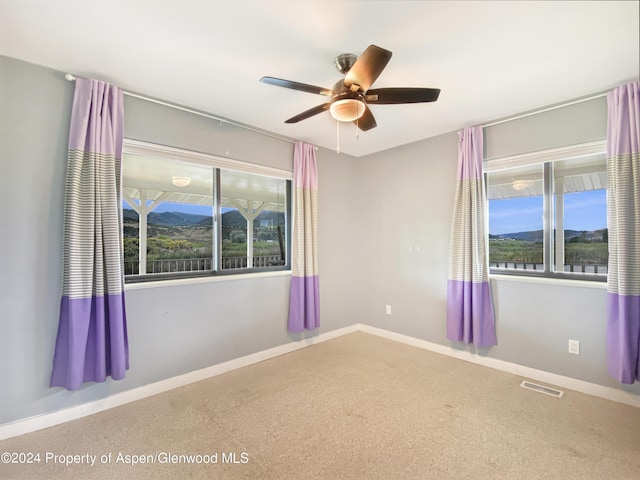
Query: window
column 188, row 214
column 547, row 213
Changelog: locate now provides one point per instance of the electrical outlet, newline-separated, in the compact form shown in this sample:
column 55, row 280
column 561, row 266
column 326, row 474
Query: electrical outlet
column 388, row 310
column 574, row 347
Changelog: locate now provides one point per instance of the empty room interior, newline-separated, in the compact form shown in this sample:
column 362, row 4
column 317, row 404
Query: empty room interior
column 320, row 239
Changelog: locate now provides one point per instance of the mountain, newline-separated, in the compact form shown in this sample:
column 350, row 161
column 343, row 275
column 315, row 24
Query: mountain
column 129, row 215
column 168, row 219
column 232, row 218
column 531, row 236
column 172, row 219
column 537, row 235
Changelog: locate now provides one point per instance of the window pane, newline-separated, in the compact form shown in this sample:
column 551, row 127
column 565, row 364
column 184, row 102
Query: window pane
column 174, row 201
column 253, row 220
column 516, row 237
column 581, row 215
column 185, row 216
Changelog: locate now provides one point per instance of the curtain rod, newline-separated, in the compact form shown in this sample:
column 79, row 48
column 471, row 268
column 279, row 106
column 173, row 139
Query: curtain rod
column 69, row 77
column 535, row 112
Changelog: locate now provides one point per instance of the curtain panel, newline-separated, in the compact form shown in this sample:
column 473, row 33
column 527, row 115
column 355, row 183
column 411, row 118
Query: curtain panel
column 304, row 299
column 92, row 343
column 470, row 315
column 623, row 218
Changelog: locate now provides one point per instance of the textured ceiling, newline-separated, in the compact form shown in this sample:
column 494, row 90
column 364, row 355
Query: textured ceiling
column 490, row 59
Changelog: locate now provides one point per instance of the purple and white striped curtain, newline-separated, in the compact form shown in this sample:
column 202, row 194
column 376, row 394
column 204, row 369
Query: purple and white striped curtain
column 470, row 316
column 92, row 333
column 304, row 299
column 623, row 218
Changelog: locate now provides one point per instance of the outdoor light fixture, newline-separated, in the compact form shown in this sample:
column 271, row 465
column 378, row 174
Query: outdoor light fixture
column 521, row 184
column 181, row 181
column 347, row 109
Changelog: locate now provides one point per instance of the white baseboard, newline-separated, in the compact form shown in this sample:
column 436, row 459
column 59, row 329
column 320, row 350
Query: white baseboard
column 39, row 422
column 581, row 386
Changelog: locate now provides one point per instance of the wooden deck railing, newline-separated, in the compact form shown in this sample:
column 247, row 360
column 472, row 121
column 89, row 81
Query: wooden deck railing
column 131, row 267
column 569, row 268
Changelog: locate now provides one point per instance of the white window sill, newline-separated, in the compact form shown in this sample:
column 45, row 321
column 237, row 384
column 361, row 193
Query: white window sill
column 210, row 279
column 549, row 281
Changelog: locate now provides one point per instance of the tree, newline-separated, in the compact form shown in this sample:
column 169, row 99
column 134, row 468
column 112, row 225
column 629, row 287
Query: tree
column 238, row 236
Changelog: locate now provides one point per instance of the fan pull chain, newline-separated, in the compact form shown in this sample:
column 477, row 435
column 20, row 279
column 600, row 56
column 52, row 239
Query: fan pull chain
column 337, row 136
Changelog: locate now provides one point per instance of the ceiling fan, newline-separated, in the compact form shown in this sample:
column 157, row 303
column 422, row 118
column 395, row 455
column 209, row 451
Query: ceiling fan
column 351, row 96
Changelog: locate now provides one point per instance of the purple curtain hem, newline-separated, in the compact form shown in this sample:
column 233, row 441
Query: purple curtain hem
column 304, row 303
column 623, row 337
column 470, row 317
column 92, row 341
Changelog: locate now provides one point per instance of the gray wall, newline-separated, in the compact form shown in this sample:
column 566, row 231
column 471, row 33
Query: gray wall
column 155, row 123
column 570, row 125
column 372, row 211
column 409, row 200
column 172, row 330
column 410, row 191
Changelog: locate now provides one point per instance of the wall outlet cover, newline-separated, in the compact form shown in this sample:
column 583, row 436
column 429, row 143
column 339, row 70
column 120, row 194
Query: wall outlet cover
column 574, row 347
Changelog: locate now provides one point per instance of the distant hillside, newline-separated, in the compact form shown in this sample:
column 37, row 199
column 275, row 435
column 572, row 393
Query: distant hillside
column 537, row 235
column 232, row 218
column 531, row 236
column 167, row 219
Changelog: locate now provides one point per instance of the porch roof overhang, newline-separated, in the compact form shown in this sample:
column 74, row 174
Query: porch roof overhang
column 570, row 176
column 154, row 176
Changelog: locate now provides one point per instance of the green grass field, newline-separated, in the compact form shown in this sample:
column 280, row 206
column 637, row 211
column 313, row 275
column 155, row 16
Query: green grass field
column 166, row 248
column 520, row 251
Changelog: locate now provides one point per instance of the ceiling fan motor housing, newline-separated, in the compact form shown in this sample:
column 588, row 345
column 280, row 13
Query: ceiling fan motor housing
column 344, row 62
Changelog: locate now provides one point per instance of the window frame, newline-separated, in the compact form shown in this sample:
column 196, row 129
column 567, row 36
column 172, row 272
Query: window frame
column 217, row 163
column 546, row 158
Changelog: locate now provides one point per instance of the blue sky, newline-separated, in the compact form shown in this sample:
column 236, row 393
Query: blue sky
column 582, row 211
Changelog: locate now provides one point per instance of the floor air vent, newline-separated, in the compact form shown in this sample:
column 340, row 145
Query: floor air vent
column 542, row 389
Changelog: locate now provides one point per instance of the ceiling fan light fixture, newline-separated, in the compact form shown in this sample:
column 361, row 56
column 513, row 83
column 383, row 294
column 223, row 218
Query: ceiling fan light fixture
column 347, row 109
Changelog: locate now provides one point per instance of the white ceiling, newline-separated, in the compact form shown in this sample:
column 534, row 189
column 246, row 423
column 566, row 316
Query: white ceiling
column 491, row 59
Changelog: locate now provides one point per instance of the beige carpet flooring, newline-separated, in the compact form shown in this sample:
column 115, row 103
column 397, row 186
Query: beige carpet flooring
column 356, row 407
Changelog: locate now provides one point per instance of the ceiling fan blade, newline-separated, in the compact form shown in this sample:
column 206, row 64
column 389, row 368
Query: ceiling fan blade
column 367, row 68
column 303, row 87
column 366, row 121
column 309, row 113
column 388, row 96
